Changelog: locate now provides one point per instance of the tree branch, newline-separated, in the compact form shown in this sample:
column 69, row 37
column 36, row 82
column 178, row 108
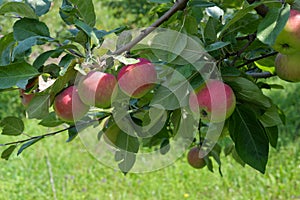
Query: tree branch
column 260, row 75
column 179, row 5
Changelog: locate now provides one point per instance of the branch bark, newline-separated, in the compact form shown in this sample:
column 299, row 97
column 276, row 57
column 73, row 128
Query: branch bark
column 260, row 75
column 179, row 5
column 256, row 59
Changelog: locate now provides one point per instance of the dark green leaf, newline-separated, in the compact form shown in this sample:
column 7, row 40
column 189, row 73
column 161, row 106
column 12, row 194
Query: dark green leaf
column 216, row 46
column 164, row 147
column 72, row 134
column 7, row 152
column 28, row 144
column 6, row 45
column 25, row 28
column 86, row 10
column 201, row 3
column 12, row 126
column 271, row 117
column 21, row 9
column 272, row 133
column 251, row 142
column 246, row 90
column 11, row 74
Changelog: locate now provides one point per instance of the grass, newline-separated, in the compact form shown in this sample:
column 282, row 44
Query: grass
column 77, row 175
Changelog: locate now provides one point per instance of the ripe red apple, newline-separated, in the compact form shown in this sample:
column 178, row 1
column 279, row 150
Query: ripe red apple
column 288, row 40
column 195, row 158
column 287, row 67
column 68, row 106
column 136, row 80
column 214, row 100
column 96, row 89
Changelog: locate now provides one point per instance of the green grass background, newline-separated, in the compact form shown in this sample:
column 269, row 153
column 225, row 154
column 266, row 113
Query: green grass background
column 77, row 175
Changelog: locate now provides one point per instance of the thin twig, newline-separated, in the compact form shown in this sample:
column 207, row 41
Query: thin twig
column 179, row 5
column 256, row 59
column 53, row 133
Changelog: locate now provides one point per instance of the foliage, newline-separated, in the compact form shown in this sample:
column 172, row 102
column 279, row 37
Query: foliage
column 236, row 38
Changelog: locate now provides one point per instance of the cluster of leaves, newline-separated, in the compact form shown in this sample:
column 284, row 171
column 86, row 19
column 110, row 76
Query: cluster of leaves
column 237, row 37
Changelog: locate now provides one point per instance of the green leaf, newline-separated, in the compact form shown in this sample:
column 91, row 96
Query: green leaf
column 160, row 1
column 50, row 120
column 127, row 160
column 246, row 90
column 40, row 7
column 165, row 98
column 272, row 24
column 86, row 10
column 28, row 144
column 6, row 45
column 251, row 142
column 210, row 29
column 272, row 133
column 191, row 25
column 12, row 126
column 271, row 117
column 25, row 28
column 216, row 46
column 11, row 74
column 239, row 15
column 72, row 134
column 164, row 146
column 19, row 8
column 39, row 107
column 7, row 152
column 201, row 3
column 168, row 45
column 237, row 158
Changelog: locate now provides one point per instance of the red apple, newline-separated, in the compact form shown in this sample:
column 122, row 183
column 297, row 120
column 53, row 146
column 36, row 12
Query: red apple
column 96, row 89
column 68, row 106
column 214, row 100
column 195, row 158
column 287, row 67
column 136, row 80
column 288, row 40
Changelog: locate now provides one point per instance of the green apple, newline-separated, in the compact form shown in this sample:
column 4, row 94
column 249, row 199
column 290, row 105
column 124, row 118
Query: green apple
column 287, row 67
column 288, row 40
column 214, row 100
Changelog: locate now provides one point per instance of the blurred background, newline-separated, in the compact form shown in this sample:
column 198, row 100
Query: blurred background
column 54, row 169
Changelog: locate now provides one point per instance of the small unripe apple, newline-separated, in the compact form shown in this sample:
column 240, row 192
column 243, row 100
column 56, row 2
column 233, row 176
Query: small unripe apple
column 288, row 40
column 136, row 80
column 68, row 106
column 25, row 98
column 96, row 89
column 27, row 94
column 214, row 100
column 287, row 67
column 195, row 158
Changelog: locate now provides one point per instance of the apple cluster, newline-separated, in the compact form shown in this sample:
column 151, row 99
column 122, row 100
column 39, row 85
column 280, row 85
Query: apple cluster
column 96, row 89
column 287, row 44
